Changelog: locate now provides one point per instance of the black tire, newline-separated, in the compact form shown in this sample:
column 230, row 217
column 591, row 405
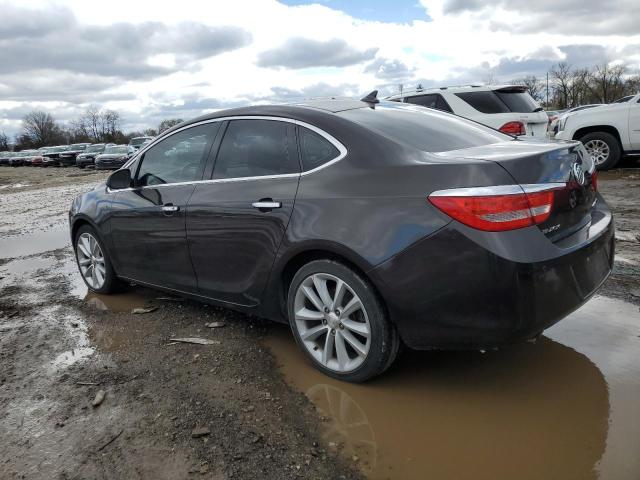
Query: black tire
column 384, row 341
column 615, row 151
column 111, row 283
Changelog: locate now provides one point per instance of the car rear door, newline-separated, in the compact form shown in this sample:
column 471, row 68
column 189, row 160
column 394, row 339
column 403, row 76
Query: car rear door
column 236, row 221
column 148, row 221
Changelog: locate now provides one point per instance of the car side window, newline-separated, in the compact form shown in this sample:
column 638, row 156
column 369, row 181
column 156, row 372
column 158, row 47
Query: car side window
column 255, row 148
column 423, row 100
column 442, row 104
column 315, row 150
column 433, row 100
column 178, row 158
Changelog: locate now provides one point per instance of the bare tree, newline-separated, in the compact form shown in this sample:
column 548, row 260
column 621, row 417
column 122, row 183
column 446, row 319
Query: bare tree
column 561, row 74
column 41, row 128
column 168, row 123
column 606, row 82
column 4, row 142
column 98, row 125
column 490, row 78
column 534, row 86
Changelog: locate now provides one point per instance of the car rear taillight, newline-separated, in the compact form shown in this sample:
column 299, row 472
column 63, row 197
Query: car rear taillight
column 594, row 180
column 513, row 128
column 498, row 208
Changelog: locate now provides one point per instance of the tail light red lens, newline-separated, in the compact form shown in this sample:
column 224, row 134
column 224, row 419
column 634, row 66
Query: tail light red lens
column 478, row 208
column 513, row 128
column 594, row 180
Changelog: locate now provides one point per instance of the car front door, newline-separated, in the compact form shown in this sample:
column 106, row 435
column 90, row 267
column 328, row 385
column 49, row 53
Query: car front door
column 634, row 124
column 236, row 221
column 148, row 220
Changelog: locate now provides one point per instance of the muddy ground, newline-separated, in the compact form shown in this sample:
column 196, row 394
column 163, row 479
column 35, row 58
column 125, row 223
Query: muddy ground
column 249, row 406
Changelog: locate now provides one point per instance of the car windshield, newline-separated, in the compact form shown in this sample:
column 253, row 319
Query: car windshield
column 138, row 141
column 78, row 146
column 423, row 128
column 115, row 149
column 59, row 149
column 95, row 148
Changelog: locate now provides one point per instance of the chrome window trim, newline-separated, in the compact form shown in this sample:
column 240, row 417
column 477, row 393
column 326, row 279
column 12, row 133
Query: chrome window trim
column 330, row 138
column 497, row 190
column 542, row 187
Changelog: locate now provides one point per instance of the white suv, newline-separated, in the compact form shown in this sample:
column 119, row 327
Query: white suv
column 508, row 108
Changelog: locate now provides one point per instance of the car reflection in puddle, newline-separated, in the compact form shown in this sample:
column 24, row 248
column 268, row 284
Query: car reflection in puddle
column 529, row 411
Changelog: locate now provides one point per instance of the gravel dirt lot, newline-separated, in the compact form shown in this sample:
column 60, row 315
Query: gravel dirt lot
column 171, row 410
column 248, row 405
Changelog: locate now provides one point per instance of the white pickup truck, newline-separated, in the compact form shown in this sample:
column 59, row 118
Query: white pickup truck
column 607, row 132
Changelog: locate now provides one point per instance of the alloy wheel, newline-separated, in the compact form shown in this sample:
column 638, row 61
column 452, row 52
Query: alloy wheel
column 332, row 322
column 91, row 261
column 598, row 150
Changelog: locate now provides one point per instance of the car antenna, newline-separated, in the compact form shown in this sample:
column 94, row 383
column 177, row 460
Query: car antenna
column 371, row 98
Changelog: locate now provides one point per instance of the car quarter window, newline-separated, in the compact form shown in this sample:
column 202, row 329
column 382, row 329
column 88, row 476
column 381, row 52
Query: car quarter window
column 315, row 150
column 255, row 148
column 177, row 158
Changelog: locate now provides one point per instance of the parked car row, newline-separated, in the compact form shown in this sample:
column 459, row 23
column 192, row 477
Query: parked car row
column 101, row 156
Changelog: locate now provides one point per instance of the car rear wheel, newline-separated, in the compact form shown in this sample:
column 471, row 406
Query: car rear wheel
column 340, row 323
column 604, row 148
column 93, row 262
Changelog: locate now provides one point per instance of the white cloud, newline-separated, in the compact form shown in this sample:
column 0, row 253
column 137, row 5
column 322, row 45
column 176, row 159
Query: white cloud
column 462, row 44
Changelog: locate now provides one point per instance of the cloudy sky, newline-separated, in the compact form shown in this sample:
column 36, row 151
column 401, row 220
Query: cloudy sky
column 155, row 60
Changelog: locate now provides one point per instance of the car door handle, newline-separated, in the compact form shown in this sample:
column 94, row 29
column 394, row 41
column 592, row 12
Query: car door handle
column 266, row 205
column 170, row 208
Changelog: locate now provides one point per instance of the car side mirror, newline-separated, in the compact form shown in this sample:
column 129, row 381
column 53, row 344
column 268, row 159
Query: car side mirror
column 119, row 179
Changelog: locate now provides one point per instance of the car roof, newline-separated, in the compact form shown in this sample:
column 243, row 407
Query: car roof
column 306, row 111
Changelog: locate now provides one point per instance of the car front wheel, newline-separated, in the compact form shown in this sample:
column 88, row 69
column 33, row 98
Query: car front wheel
column 93, row 262
column 604, row 148
column 340, row 322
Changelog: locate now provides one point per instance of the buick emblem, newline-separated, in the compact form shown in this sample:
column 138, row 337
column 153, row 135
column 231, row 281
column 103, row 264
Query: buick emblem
column 578, row 173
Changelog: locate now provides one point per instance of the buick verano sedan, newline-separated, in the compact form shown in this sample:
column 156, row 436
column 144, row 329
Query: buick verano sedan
column 365, row 225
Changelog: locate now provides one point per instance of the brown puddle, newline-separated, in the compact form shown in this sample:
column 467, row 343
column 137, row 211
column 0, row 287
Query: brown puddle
column 566, row 407
column 119, row 302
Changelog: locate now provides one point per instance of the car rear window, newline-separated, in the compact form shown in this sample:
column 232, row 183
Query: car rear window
column 423, row 128
column 485, row 102
column 500, row 101
column 517, row 101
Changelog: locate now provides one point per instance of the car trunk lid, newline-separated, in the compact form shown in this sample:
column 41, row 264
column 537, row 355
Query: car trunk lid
column 566, row 168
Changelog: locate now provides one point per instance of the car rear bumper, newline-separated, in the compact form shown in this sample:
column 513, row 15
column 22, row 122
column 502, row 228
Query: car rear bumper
column 449, row 291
